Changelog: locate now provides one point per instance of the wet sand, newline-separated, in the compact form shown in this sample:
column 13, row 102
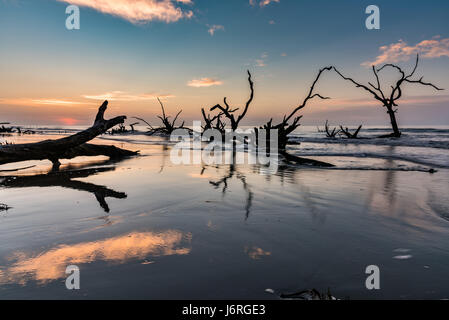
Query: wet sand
column 148, row 229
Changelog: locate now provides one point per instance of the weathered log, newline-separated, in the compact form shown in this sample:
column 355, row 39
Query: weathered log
column 68, row 147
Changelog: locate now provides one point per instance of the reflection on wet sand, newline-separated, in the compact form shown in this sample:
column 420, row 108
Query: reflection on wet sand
column 285, row 172
column 50, row 265
column 256, row 253
column 65, row 179
column 232, row 171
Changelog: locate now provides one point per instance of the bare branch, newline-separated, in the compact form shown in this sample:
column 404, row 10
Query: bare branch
column 228, row 112
column 251, row 86
column 309, row 96
column 359, row 85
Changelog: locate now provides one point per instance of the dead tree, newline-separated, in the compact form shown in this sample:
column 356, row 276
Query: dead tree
column 329, row 133
column 228, row 112
column 389, row 101
column 120, row 130
column 150, row 127
column 4, row 129
column 168, row 127
column 348, row 133
column 4, row 207
column 68, row 147
column 285, row 128
column 132, row 126
column 209, row 122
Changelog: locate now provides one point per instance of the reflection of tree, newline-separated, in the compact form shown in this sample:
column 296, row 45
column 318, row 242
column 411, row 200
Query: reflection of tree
column 64, row 179
column 4, row 207
column 389, row 186
column 285, row 171
column 439, row 203
column 223, row 183
column 164, row 157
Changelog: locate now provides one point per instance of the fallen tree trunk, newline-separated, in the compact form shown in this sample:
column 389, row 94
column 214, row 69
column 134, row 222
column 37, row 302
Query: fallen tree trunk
column 68, row 147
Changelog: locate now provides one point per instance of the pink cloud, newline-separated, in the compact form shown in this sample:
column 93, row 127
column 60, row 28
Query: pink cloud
column 40, row 102
column 401, row 51
column 124, row 96
column 214, row 28
column 138, row 11
column 204, row 82
column 262, row 3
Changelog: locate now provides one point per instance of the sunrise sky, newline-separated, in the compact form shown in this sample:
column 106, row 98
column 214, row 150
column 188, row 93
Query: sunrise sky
column 192, row 53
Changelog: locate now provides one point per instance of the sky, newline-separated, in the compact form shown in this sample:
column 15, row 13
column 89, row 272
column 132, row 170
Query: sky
column 192, row 53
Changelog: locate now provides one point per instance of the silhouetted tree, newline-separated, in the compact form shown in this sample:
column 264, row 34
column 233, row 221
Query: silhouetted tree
column 209, row 122
column 228, row 112
column 68, row 147
column 389, row 101
column 168, row 126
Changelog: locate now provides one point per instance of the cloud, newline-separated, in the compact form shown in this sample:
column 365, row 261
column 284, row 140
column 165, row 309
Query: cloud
column 401, row 51
column 204, row 82
column 261, row 62
column 123, row 96
column 214, row 28
column 39, row 102
column 138, row 11
column 262, row 3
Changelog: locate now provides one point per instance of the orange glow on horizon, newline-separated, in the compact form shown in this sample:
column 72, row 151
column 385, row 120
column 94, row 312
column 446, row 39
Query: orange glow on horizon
column 68, row 121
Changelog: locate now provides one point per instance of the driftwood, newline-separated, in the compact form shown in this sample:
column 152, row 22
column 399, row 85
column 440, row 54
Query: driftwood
column 4, row 207
column 4, row 129
column 65, row 179
column 329, row 133
column 168, row 126
column 308, row 295
column 389, row 101
column 132, row 126
column 68, row 147
column 122, row 129
column 348, row 133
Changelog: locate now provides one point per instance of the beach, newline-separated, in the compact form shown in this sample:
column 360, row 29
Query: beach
column 147, row 228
